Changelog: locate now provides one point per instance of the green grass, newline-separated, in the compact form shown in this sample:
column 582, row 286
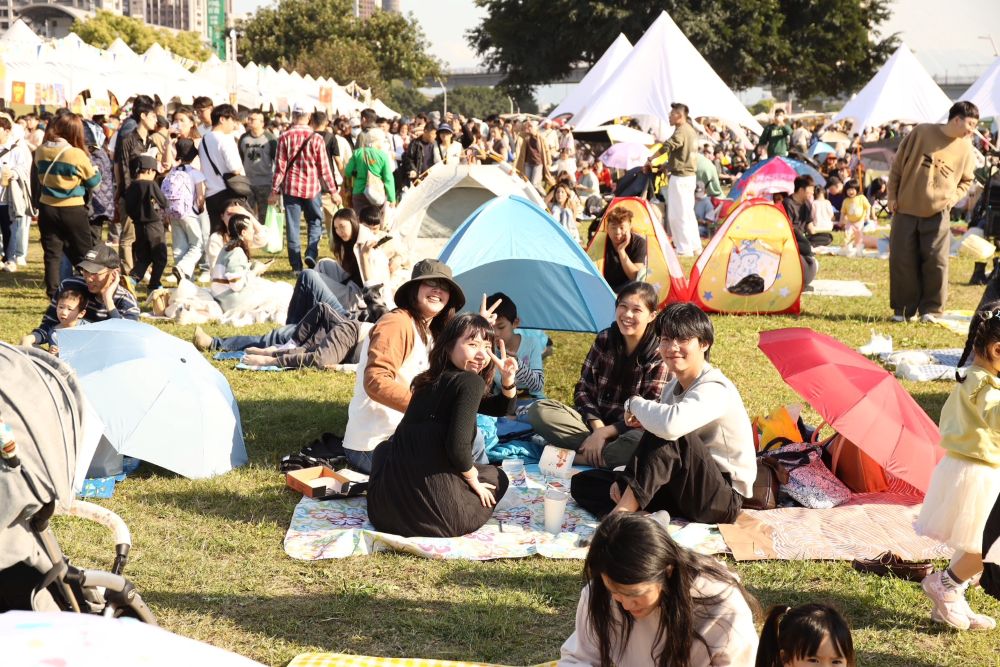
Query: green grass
column 208, row 559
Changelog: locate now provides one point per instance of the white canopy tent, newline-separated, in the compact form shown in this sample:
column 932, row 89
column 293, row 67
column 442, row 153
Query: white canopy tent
column 664, row 67
column 595, row 78
column 985, row 92
column 901, row 90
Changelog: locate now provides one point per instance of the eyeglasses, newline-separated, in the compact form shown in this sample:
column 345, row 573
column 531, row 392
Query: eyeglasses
column 91, row 274
column 434, row 283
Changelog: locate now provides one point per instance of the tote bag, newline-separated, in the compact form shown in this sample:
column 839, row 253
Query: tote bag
column 374, row 187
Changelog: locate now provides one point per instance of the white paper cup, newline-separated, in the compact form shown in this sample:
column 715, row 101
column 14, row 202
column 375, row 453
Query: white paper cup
column 514, row 469
column 555, row 509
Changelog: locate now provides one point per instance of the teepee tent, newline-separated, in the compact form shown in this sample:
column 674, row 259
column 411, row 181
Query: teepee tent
column 985, row 92
column 431, row 212
column 664, row 67
column 595, row 78
column 511, row 244
column 901, row 90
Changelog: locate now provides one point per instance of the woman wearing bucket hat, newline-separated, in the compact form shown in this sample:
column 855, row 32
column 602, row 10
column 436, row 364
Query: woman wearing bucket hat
column 396, row 351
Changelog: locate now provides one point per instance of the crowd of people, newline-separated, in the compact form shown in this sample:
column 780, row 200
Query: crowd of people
column 663, row 429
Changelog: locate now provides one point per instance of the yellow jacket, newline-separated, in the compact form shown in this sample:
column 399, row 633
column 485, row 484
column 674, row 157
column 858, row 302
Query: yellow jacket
column 970, row 419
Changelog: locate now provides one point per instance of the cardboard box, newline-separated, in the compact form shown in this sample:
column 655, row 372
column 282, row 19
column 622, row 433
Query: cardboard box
column 322, row 482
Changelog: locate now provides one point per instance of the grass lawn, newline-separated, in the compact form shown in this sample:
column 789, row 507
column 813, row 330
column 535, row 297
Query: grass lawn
column 207, row 554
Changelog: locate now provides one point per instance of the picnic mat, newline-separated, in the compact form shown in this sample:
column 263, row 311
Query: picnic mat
column 837, row 288
column 340, row 528
column 345, row 660
column 923, row 365
column 956, row 321
column 863, row 527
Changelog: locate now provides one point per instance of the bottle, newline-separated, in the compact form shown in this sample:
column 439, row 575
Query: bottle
column 8, row 448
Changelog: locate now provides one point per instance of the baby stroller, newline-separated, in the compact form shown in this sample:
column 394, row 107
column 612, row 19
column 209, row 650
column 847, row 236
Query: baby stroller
column 41, row 403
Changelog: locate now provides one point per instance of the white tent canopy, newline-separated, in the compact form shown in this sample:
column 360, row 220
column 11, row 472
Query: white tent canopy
column 901, row 90
column 985, row 92
column 595, row 78
column 664, row 67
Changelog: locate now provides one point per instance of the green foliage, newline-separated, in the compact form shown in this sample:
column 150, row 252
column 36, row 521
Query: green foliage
column 804, row 46
column 407, row 101
column 473, row 101
column 762, row 106
column 102, row 29
column 323, row 38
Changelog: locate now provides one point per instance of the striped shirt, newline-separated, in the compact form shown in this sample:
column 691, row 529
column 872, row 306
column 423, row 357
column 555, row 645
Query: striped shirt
column 301, row 178
column 70, row 174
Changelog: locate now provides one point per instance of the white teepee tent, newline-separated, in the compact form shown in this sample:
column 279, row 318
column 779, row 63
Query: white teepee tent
column 985, row 92
column 664, row 67
column 901, row 90
column 595, row 78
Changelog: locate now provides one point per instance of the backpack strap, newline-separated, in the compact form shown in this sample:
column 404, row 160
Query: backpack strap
column 295, row 157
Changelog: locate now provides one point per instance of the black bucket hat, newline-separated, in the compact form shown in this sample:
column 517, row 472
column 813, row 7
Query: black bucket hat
column 432, row 269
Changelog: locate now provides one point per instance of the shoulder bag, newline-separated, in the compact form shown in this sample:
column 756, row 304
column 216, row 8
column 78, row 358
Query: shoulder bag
column 295, row 157
column 374, row 187
column 238, row 184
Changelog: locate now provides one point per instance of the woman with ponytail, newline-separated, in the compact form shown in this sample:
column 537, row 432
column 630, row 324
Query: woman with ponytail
column 966, row 482
column 648, row 601
column 810, row 635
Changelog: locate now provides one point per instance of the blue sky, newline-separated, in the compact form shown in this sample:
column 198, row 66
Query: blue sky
column 943, row 34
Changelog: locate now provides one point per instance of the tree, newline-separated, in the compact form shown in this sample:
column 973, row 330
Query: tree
column 104, row 27
column 399, row 45
column 407, row 101
column 793, row 44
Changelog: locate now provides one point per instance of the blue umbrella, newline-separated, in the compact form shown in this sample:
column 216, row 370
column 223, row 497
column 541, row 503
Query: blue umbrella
column 821, row 148
column 804, row 169
column 160, row 400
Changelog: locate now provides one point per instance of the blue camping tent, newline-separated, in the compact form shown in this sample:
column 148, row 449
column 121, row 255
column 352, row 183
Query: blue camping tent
column 511, row 245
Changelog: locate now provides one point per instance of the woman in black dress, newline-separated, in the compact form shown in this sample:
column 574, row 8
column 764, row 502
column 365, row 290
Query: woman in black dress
column 423, row 481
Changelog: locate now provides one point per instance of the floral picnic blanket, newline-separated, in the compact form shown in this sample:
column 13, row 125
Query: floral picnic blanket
column 340, row 528
column 345, row 660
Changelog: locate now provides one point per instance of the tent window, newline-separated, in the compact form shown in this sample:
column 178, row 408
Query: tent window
column 753, row 267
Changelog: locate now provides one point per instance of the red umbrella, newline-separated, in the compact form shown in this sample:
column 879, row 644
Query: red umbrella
column 859, row 399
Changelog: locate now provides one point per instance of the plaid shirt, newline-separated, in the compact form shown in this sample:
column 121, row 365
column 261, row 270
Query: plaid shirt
column 304, row 175
column 608, row 378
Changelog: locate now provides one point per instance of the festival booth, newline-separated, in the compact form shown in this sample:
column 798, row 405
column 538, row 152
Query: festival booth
column 751, row 265
column 511, row 244
column 663, row 270
column 448, row 194
column 662, row 68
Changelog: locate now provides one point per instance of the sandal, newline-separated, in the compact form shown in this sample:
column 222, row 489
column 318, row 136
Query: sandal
column 888, row 563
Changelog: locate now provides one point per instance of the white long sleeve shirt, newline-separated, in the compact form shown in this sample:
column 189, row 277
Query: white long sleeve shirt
column 712, row 411
column 727, row 628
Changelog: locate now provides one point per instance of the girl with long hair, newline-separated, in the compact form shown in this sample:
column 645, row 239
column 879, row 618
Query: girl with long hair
column 425, row 480
column 622, row 362
column 64, row 175
column 804, row 636
column 965, row 484
column 649, row 601
column 396, row 351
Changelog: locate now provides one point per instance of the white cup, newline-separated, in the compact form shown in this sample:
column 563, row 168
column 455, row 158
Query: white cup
column 514, row 469
column 555, row 509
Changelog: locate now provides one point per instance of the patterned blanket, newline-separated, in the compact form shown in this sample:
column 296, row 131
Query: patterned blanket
column 345, row 660
column 340, row 528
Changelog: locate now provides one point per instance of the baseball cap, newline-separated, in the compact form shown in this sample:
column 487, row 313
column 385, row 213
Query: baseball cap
column 98, row 258
column 143, row 163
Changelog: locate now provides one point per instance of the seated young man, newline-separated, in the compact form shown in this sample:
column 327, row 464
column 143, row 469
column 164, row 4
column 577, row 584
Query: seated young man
column 527, row 345
column 624, row 252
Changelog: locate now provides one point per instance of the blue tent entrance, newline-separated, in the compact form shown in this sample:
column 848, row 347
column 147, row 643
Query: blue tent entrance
column 511, row 245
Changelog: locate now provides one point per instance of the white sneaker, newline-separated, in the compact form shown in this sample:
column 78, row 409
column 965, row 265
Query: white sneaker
column 10, row 267
column 204, row 277
column 948, row 600
column 929, row 318
column 170, row 280
column 976, row 621
column 22, row 261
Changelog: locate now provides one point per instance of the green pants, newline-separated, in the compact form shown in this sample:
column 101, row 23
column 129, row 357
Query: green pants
column 562, row 426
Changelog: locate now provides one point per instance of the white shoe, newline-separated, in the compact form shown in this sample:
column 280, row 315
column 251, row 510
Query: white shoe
column 10, row 267
column 930, row 318
column 948, row 600
column 204, row 277
column 22, row 261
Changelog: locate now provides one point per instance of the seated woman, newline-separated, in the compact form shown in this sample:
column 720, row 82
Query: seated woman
column 622, row 362
column 650, row 602
column 355, row 283
column 219, row 235
column 235, row 283
column 322, row 339
column 395, row 352
column 424, row 481
column 697, row 458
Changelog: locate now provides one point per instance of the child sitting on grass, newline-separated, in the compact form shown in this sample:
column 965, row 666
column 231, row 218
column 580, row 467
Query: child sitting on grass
column 527, row 346
column 71, row 306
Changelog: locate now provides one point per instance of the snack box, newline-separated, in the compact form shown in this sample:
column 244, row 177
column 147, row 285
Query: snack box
column 322, row 482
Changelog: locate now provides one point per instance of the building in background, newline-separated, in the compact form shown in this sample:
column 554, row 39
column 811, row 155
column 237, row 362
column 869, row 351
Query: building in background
column 365, row 8
column 53, row 18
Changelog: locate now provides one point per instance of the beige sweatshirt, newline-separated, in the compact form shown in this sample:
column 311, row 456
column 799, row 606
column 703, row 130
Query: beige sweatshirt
column 683, row 145
column 931, row 171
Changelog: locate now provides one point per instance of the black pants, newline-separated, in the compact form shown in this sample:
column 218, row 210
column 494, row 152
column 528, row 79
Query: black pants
column 991, row 535
column 64, row 229
column 679, row 476
column 150, row 247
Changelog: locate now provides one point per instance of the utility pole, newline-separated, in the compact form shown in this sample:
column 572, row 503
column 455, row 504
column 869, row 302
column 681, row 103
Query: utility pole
column 989, row 38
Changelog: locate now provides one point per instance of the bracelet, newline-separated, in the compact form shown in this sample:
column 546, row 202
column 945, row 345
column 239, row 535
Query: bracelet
column 509, row 387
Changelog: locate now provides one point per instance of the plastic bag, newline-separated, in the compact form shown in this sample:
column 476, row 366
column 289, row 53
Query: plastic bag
column 274, row 225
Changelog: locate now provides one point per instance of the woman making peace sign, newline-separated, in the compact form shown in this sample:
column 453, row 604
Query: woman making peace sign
column 423, row 481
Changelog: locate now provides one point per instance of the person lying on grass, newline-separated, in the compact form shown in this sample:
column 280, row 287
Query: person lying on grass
column 622, row 362
column 428, row 480
column 696, row 458
column 649, row 601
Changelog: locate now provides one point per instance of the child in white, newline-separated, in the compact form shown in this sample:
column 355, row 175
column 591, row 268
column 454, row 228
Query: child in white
column 854, row 212
column 966, row 482
column 822, row 212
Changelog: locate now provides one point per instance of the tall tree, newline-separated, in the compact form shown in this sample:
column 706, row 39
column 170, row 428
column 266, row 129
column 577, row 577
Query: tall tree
column 104, row 27
column 748, row 42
